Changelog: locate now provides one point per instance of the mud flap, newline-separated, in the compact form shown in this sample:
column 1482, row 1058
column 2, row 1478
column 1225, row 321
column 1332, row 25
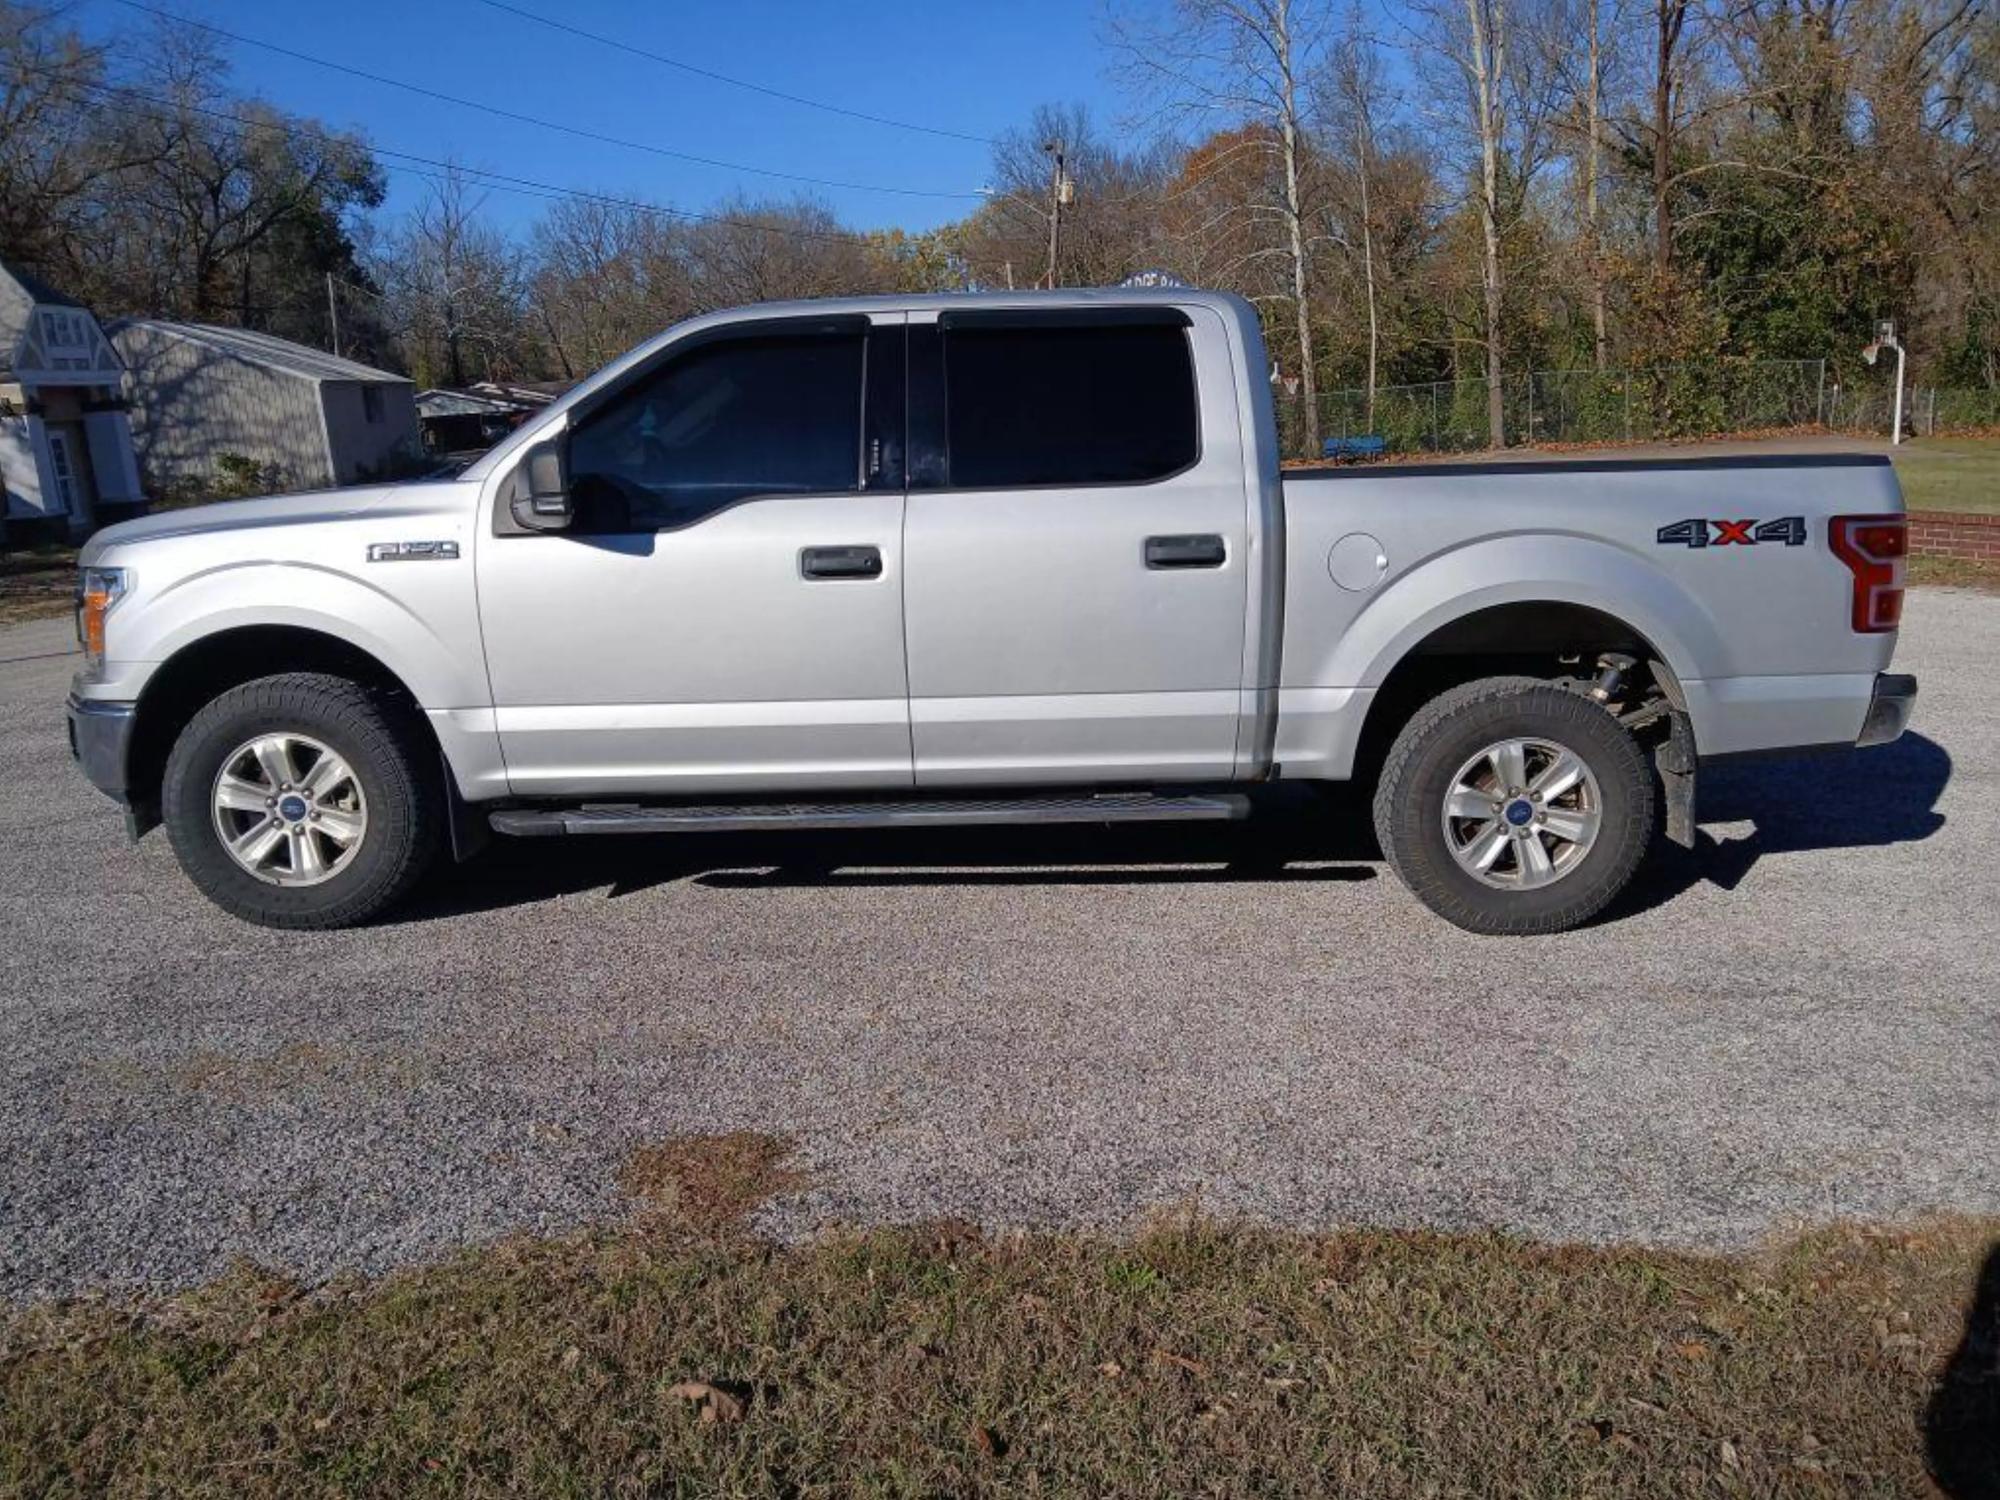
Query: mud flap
column 1674, row 760
column 469, row 830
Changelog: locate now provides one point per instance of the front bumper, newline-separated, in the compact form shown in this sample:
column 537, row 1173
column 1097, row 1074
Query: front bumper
column 100, row 735
column 1889, row 708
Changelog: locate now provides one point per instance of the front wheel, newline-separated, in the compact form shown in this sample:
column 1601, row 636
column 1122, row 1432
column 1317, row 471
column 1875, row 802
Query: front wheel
column 302, row 800
column 1509, row 806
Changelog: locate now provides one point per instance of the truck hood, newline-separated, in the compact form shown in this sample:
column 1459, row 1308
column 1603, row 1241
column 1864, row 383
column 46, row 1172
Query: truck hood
column 311, row 508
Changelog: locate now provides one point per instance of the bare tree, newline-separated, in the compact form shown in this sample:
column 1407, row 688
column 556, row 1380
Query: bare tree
column 1473, row 37
column 456, row 284
column 1356, row 83
column 763, row 250
column 1593, row 179
column 605, row 277
column 1244, row 61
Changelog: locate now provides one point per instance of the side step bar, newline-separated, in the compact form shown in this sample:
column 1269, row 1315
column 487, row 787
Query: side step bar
column 760, row 817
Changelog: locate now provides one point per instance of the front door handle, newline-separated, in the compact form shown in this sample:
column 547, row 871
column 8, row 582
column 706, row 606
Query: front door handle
column 1185, row 552
column 840, row 562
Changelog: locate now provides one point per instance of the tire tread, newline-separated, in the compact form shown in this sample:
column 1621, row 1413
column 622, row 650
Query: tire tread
column 1422, row 865
column 377, row 727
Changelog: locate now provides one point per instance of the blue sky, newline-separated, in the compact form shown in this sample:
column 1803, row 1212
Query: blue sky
column 973, row 68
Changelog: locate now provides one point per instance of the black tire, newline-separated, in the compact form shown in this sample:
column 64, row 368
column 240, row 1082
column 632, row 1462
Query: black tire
column 1454, row 727
column 376, row 736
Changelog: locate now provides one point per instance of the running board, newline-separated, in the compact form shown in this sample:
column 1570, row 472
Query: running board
column 763, row 817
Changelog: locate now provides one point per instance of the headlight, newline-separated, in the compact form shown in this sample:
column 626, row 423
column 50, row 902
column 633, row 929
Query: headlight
column 97, row 590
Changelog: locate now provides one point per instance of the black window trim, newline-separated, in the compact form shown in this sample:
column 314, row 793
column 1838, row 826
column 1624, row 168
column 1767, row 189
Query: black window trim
column 929, row 394
column 747, row 330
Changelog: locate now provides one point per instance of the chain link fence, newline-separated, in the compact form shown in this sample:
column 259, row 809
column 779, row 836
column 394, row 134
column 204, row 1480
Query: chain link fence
column 1628, row 406
column 1927, row 411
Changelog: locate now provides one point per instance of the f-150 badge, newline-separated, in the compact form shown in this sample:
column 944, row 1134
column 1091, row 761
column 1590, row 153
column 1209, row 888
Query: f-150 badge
column 1790, row 531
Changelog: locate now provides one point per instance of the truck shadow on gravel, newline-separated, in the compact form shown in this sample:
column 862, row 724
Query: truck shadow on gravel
column 1843, row 800
column 1297, row 833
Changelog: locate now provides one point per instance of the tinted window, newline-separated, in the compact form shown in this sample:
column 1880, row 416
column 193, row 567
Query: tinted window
column 762, row 416
column 1105, row 404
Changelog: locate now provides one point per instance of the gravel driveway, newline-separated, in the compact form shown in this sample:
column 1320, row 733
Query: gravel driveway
column 1802, row 1021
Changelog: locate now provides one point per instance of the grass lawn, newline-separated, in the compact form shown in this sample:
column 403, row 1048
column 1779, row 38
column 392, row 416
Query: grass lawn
column 1950, row 473
column 677, row 1355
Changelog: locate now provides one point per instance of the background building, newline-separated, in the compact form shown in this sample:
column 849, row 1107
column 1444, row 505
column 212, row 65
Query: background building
column 65, row 441
column 304, row 418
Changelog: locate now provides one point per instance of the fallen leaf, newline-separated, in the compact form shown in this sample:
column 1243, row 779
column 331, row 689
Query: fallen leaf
column 570, row 1356
column 717, row 1405
column 1650, row 1406
column 1692, row 1349
column 1192, row 1366
column 1729, row 1458
column 987, row 1442
column 1111, row 1369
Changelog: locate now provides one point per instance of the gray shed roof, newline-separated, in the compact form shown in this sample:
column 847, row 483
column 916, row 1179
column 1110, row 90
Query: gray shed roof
column 267, row 350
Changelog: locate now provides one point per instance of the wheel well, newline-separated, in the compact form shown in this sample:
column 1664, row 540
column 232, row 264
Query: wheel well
column 1542, row 639
column 199, row 672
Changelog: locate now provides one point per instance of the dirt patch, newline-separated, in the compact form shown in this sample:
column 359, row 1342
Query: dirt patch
column 711, row 1180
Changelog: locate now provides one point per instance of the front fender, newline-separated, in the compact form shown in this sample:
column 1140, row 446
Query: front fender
column 424, row 630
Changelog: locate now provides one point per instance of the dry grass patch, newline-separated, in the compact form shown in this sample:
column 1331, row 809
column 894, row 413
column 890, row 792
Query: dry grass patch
column 1955, row 572
column 37, row 584
column 1191, row 1360
column 711, row 1180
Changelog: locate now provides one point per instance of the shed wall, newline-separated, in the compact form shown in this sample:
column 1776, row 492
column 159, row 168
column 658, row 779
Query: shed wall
column 191, row 405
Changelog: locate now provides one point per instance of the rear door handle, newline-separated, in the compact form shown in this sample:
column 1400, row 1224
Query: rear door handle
column 840, row 562
column 1185, row 552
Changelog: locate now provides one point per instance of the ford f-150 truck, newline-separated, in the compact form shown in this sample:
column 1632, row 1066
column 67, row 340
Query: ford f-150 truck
column 974, row 559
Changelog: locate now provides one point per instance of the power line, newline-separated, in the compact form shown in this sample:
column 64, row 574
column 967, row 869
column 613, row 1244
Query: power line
column 525, row 119
column 741, row 83
column 439, row 170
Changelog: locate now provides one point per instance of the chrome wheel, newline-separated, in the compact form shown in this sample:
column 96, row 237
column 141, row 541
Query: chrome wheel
column 289, row 809
column 1522, row 813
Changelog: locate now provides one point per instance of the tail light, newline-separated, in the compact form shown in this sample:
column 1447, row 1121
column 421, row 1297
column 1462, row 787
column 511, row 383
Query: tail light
column 1873, row 547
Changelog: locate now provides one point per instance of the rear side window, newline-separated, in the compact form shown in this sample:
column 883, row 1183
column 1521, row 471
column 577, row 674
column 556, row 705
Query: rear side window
column 1055, row 404
column 777, row 415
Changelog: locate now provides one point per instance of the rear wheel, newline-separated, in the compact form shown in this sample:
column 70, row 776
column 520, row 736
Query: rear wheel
column 1510, row 806
column 302, row 800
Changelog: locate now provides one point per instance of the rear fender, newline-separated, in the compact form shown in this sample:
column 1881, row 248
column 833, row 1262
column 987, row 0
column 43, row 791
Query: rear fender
column 1521, row 569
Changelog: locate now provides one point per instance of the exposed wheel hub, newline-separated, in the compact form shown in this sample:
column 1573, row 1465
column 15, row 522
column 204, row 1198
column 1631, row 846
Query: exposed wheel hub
column 288, row 809
column 1522, row 813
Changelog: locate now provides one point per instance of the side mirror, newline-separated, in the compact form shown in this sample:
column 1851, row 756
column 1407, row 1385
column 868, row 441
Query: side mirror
column 541, row 490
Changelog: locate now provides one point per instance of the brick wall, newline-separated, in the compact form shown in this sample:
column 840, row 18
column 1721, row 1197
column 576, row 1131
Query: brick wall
column 1943, row 533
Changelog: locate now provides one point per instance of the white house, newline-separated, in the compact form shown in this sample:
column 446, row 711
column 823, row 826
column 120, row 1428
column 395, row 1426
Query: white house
column 310, row 418
column 65, row 437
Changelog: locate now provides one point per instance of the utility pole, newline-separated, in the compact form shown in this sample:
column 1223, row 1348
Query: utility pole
column 1061, row 191
column 332, row 315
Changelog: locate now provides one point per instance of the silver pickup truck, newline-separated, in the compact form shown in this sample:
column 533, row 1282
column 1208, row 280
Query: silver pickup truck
column 974, row 559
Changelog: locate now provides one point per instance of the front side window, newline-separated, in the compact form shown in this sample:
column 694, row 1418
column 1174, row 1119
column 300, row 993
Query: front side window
column 1077, row 404
column 772, row 415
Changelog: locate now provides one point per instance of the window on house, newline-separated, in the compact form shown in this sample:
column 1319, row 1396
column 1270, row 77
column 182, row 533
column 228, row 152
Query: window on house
column 64, row 330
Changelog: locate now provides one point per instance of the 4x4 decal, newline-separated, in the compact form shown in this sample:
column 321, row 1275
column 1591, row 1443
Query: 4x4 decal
column 1790, row 531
